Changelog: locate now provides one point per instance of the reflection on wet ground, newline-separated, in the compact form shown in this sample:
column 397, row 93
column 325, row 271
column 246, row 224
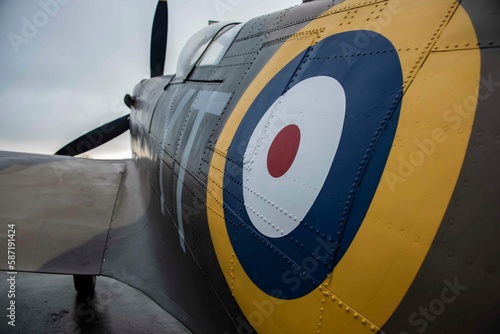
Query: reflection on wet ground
column 50, row 304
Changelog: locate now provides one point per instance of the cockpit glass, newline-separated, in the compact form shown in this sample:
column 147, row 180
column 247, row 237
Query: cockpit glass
column 196, row 46
column 219, row 45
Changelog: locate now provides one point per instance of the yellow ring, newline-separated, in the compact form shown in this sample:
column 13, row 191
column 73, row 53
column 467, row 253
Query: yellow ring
column 421, row 172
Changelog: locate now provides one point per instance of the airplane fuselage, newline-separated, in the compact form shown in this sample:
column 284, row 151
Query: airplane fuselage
column 309, row 178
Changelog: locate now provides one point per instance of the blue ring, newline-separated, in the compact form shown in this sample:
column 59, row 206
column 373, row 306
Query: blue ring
column 294, row 265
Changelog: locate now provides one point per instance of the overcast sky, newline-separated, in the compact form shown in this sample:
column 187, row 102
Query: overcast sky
column 65, row 65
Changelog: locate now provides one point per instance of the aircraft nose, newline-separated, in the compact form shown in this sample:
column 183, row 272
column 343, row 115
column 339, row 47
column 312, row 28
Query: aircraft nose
column 129, row 100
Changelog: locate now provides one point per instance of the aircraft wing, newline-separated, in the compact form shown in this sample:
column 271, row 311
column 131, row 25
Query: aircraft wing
column 58, row 206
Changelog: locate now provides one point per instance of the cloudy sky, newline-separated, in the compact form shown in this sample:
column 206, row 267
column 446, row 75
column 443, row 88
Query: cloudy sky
column 65, row 65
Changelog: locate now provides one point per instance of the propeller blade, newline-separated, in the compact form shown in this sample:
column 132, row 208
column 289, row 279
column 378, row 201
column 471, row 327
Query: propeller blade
column 96, row 137
column 159, row 39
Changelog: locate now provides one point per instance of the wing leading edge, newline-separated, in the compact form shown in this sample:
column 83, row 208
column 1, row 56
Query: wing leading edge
column 58, row 205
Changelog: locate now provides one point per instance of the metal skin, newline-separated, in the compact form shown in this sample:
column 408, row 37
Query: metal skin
column 400, row 232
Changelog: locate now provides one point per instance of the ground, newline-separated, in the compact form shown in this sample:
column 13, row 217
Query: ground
column 49, row 304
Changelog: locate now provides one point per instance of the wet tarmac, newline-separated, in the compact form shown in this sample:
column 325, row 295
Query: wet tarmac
column 50, row 304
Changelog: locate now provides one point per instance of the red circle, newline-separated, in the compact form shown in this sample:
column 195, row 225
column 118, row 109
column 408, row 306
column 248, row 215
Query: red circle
column 283, row 151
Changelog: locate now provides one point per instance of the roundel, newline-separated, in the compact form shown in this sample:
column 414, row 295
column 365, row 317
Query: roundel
column 327, row 186
column 295, row 162
column 281, row 150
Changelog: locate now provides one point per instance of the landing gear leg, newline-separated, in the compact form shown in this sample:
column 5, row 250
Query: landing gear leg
column 84, row 284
